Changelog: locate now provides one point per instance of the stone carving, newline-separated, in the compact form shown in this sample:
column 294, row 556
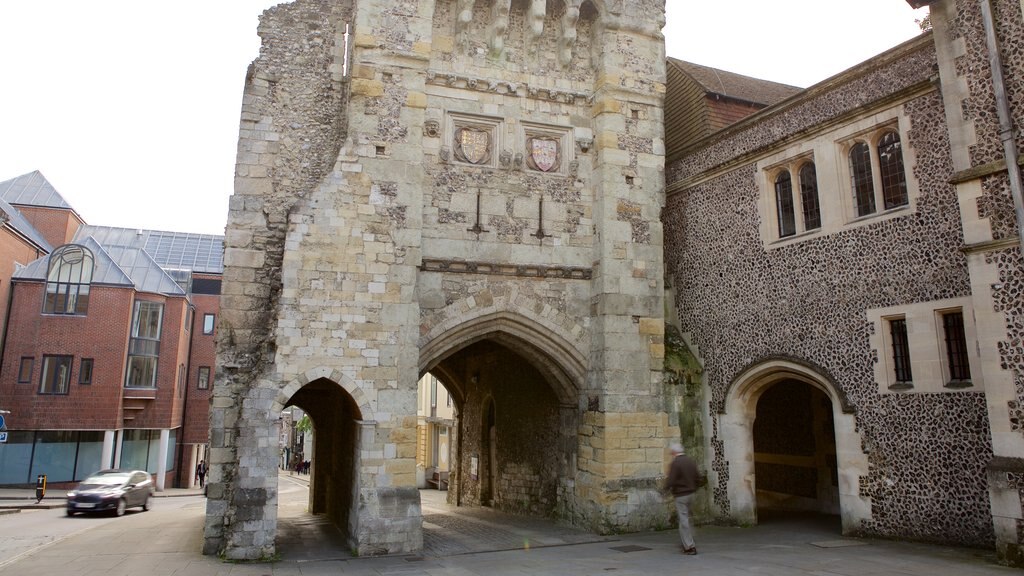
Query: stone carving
column 505, row 159
column 505, row 87
column 446, row 154
column 543, row 153
column 584, row 144
column 431, row 128
column 568, row 39
column 499, row 26
column 472, row 145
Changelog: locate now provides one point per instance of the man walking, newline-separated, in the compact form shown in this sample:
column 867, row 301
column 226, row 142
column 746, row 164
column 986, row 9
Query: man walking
column 682, row 482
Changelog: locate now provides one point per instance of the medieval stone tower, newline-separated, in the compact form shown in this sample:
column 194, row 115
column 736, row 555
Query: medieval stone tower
column 460, row 187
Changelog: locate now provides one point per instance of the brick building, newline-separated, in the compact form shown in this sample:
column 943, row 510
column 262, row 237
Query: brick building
column 108, row 352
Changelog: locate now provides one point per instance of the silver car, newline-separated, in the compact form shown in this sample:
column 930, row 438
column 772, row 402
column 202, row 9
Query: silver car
column 112, row 491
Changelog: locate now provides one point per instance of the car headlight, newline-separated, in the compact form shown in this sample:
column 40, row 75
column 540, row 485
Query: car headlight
column 72, row 494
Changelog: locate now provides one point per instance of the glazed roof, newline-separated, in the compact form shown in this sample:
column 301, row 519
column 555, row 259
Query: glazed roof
column 32, row 189
column 171, row 250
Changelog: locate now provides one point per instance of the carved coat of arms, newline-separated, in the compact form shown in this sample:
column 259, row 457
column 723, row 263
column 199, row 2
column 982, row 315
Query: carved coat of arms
column 473, row 145
column 543, row 154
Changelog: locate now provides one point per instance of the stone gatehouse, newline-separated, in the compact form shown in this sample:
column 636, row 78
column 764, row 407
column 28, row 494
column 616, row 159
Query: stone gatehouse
column 457, row 187
column 487, row 191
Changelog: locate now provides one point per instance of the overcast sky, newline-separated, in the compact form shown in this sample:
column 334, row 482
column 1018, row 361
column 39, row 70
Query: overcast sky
column 130, row 108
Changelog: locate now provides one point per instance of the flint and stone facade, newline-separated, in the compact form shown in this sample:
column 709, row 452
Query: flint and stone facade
column 480, row 191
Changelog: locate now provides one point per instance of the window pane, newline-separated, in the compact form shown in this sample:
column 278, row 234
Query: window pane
column 784, row 204
column 141, row 372
column 809, row 197
column 208, row 320
column 890, row 166
column 204, row 377
column 67, row 280
column 135, row 450
column 900, row 350
column 90, row 454
column 956, row 347
column 85, row 371
column 860, row 171
column 55, row 455
column 25, row 369
column 16, row 457
column 56, row 378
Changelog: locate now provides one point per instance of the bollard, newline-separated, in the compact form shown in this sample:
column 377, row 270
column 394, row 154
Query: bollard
column 40, row 487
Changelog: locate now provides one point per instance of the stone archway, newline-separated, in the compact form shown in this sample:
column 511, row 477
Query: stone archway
column 736, row 425
column 518, row 403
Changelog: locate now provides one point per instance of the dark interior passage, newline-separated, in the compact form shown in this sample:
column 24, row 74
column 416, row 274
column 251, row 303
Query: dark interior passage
column 333, row 473
column 512, row 451
column 795, row 451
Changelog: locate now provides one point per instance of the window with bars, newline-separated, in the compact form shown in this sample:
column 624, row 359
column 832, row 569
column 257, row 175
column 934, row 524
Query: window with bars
column 809, row 196
column 890, row 167
column 957, row 361
column 877, row 173
column 860, row 174
column 900, row 353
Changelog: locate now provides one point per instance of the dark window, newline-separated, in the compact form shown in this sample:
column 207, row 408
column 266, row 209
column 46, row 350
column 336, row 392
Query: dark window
column 890, row 168
column 208, row 322
column 28, row 363
column 56, row 375
column 181, row 380
column 205, row 286
column 784, row 204
column 901, row 352
column 67, row 280
column 860, row 173
column 85, row 371
column 144, row 345
column 809, row 196
column 956, row 348
column 204, row 378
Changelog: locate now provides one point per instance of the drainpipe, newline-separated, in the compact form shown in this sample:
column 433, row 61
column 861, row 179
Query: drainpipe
column 1005, row 119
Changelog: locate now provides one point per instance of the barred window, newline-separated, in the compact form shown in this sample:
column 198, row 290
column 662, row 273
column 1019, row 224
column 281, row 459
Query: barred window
column 958, row 363
column 900, row 352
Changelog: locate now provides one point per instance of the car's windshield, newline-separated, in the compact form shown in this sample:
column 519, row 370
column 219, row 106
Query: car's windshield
column 104, row 480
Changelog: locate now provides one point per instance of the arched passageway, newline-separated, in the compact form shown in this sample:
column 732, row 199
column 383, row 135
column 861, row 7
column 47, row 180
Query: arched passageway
column 515, row 437
column 790, row 442
column 795, row 450
column 334, row 462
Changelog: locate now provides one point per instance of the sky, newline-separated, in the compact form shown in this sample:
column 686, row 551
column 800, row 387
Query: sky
column 130, row 108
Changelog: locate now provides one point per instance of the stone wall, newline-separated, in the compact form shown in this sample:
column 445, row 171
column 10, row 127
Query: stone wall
column 743, row 301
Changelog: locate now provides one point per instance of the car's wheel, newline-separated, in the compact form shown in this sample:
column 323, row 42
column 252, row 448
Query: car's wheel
column 70, row 512
column 121, row 505
column 147, row 504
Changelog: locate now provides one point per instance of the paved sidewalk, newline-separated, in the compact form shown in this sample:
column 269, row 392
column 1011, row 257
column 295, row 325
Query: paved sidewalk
column 167, row 542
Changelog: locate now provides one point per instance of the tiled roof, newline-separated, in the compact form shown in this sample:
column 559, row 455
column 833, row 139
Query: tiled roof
column 18, row 223
column 735, row 86
column 32, row 189
column 171, row 250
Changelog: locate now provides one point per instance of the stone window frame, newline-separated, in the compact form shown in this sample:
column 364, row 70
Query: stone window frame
column 491, row 124
column 928, row 355
column 566, row 145
column 793, row 165
column 872, row 139
column 829, row 147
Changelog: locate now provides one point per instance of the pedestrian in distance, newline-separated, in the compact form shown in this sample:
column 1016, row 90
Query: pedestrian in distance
column 681, row 482
column 201, row 473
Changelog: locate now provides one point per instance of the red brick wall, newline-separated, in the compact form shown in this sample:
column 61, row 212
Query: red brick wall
column 102, row 335
column 57, row 226
column 14, row 250
column 204, row 352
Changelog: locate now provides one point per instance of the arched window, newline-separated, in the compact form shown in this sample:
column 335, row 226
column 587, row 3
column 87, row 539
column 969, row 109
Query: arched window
column 860, row 174
column 890, row 168
column 68, row 280
column 809, row 197
column 784, row 204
